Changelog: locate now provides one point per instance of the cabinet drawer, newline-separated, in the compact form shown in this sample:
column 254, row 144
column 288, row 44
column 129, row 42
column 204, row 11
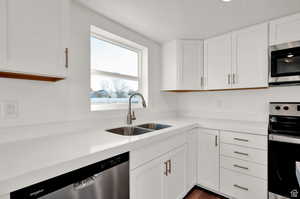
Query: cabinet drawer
column 243, row 153
column 245, row 167
column 242, row 186
column 243, row 139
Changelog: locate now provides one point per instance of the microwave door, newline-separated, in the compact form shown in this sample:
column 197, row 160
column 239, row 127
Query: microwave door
column 285, row 65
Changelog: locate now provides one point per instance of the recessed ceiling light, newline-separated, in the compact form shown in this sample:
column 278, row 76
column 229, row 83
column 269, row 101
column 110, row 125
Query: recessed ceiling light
column 226, row 0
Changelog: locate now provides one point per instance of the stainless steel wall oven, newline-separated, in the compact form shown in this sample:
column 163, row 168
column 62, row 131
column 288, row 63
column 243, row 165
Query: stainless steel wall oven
column 284, row 151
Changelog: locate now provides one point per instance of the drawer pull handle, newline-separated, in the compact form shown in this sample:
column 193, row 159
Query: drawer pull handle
column 166, row 168
column 216, row 140
column 170, row 166
column 240, row 153
column 240, row 187
column 241, row 140
column 240, row 167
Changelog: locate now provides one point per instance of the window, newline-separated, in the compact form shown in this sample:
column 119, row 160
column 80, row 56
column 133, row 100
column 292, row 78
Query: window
column 115, row 72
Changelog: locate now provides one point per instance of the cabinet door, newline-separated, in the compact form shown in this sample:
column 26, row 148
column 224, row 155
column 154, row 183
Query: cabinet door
column 217, row 62
column 250, row 57
column 192, row 139
column 36, row 36
column 147, row 181
column 192, row 65
column 175, row 184
column 286, row 29
column 208, row 159
column 3, row 25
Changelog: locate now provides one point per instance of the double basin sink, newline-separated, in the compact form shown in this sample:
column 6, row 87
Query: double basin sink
column 138, row 130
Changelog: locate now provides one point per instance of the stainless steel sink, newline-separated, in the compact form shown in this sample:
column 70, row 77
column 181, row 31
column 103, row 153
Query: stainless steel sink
column 138, row 130
column 154, row 126
column 129, row 131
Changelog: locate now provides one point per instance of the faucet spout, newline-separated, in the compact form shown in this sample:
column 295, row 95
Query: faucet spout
column 131, row 115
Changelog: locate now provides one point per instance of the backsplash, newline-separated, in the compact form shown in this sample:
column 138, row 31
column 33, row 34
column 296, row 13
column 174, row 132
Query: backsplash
column 236, row 105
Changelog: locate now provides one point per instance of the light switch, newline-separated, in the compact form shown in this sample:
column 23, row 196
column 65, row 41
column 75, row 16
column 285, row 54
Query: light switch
column 10, row 109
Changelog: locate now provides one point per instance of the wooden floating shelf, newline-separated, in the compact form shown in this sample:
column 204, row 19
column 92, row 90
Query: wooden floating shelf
column 14, row 75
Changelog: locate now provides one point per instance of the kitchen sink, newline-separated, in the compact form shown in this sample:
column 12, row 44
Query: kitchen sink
column 129, row 131
column 154, row 126
column 138, row 130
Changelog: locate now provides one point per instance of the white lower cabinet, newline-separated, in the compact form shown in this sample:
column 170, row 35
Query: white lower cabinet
column 162, row 178
column 241, row 186
column 147, row 181
column 243, row 172
column 175, row 176
column 208, row 159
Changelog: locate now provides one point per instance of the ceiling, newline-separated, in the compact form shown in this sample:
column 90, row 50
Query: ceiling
column 164, row 20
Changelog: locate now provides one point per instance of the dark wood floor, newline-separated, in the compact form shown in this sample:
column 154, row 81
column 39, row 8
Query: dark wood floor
column 201, row 194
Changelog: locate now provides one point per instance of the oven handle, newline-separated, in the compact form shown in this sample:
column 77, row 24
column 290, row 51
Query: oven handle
column 286, row 139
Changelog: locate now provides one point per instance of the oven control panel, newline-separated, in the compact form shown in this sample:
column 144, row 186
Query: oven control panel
column 285, row 108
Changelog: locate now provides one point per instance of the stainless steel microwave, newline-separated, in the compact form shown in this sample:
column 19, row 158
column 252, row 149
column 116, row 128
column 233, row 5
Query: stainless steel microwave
column 284, row 67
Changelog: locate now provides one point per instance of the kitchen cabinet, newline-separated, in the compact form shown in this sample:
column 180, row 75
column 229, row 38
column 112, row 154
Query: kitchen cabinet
column 164, row 177
column 2, row 33
column 192, row 141
column 208, row 159
column 238, row 59
column 147, row 181
column 250, row 57
column 217, row 62
column 286, row 29
column 183, row 65
column 243, row 165
column 175, row 183
column 34, row 36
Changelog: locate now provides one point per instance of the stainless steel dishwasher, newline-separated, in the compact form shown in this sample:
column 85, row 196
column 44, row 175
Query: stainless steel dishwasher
column 108, row 179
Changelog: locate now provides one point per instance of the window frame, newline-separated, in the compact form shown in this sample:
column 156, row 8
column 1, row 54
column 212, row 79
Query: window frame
column 123, row 44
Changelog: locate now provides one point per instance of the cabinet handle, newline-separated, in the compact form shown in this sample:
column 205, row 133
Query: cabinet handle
column 233, row 78
column 241, row 140
column 166, row 168
column 67, row 57
column 216, row 140
column 240, row 167
column 229, row 79
column 202, row 81
column 240, row 153
column 170, row 167
column 240, row 187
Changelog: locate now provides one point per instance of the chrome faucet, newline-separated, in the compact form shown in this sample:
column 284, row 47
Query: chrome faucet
column 131, row 114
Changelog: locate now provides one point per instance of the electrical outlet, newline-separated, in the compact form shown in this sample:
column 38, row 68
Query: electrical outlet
column 10, row 109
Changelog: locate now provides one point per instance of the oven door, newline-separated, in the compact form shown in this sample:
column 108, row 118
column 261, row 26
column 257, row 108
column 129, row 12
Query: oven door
column 285, row 66
column 284, row 167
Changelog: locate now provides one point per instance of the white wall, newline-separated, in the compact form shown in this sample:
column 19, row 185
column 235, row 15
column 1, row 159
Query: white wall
column 237, row 104
column 42, row 102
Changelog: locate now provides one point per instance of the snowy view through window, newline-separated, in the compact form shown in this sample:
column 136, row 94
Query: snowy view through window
column 114, row 72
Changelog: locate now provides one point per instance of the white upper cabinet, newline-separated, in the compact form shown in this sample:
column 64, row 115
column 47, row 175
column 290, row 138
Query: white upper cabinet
column 34, row 34
column 250, row 57
column 208, row 159
column 286, row 29
column 3, row 32
column 217, row 62
column 183, row 65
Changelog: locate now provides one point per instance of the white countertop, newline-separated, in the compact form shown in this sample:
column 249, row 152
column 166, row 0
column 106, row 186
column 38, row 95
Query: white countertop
column 33, row 160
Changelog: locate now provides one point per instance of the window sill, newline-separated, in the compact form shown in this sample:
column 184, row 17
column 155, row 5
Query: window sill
column 113, row 107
